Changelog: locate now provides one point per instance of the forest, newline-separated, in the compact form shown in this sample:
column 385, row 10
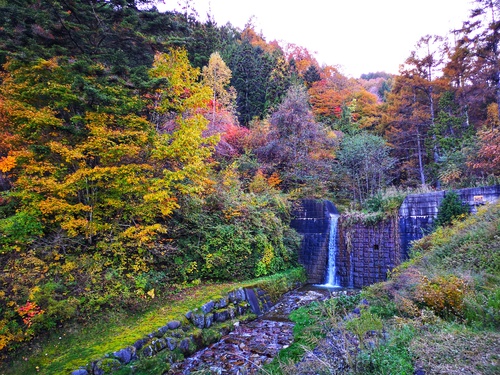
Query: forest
column 143, row 151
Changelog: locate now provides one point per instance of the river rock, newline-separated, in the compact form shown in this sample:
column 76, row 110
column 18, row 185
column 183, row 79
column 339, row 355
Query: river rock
column 221, row 316
column 125, row 355
column 209, row 320
column 231, row 296
column 139, row 344
column 208, row 307
column 171, row 343
column 222, row 303
column 105, row 366
column 160, row 332
column 147, row 351
column 174, row 324
column 184, row 345
column 159, row 345
column 80, row 372
column 198, row 319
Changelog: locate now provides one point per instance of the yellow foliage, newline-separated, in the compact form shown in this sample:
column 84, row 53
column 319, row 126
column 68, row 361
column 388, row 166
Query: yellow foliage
column 7, row 163
column 5, row 335
column 151, row 293
column 143, row 235
column 231, row 213
column 268, row 255
column 443, row 294
column 259, row 183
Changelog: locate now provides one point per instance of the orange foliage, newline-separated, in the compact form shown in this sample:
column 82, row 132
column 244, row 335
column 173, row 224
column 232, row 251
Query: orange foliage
column 257, row 40
column 274, row 180
column 28, row 311
column 488, row 156
column 302, row 56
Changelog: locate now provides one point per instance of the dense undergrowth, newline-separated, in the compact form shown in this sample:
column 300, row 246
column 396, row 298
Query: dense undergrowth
column 439, row 312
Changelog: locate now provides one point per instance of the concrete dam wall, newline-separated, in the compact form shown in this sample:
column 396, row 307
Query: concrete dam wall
column 311, row 218
column 366, row 252
column 418, row 212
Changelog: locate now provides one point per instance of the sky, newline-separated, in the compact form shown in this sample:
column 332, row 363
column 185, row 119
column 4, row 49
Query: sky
column 359, row 36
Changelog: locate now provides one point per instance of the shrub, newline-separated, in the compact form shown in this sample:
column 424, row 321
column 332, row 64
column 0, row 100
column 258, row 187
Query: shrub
column 391, row 357
column 451, row 208
column 444, row 295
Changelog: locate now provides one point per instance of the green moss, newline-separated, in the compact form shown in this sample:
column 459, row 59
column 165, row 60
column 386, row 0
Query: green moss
column 73, row 346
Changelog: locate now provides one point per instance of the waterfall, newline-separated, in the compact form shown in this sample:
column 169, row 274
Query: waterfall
column 332, row 279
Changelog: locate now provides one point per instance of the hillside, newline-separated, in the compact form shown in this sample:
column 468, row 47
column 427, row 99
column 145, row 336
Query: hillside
column 143, row 152
column 439, row 312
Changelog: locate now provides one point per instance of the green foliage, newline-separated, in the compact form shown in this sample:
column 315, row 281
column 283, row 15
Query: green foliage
column 391, row 357
column 451, row 208
column 17, row 230
column 481, row 310
column 364, row 323
column 306, row 332
column 233, row 233
column 365, row 162
column 345, row 303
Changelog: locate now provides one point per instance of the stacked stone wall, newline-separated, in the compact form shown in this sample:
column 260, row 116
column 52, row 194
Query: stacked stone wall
column 366, row 252
column 311, row 218
column 185, row 336
column 419, row 211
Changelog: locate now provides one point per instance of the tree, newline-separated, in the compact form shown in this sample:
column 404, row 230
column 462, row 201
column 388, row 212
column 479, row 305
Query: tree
column 279, row 80
column 217, row 76
column 486, row 160
column 451, row 208
column 298, row 147
column 181, row 150
column 365, row 161
column 249, row 79
column 485, row 34
column 412, row 112
column 311, row 75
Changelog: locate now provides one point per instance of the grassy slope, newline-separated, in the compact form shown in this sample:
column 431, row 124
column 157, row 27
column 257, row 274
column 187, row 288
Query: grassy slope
column 439, row 312
column 448, row 298
column 71, row 347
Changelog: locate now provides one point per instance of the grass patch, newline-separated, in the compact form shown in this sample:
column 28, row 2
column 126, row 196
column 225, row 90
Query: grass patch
column 73, row 345
column 312, row 324
column 306, row 333
column 457, row 351
column 390, row 357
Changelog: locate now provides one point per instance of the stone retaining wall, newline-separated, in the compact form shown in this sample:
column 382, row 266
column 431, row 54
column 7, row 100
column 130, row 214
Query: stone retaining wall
column 366, row 252
column 311, row 218
column 185, row 336
column 419, row 211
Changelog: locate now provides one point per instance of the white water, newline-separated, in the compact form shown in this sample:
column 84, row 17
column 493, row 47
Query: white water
column 332, row 279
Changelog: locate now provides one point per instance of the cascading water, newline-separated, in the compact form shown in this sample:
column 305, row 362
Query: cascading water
column 332, row 279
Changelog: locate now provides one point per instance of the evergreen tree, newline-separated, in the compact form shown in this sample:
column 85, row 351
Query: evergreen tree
column 451, row 208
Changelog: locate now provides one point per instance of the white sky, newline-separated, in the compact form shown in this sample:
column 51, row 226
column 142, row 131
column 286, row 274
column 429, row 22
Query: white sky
column 360, row 36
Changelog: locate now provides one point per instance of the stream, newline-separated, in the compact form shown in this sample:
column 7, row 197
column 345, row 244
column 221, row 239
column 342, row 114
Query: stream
column 251, row 345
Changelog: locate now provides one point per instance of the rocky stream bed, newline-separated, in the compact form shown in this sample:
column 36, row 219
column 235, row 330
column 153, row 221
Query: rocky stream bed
column 253, row 344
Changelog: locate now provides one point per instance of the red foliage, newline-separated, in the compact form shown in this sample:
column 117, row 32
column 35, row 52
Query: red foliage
column 28, row 311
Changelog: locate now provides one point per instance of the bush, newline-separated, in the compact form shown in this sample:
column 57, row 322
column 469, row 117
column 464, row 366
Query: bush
column 391, row 357
column 444, row 295
column 451, row 208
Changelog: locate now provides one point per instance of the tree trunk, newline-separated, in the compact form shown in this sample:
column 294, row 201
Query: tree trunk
column 420, row 161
